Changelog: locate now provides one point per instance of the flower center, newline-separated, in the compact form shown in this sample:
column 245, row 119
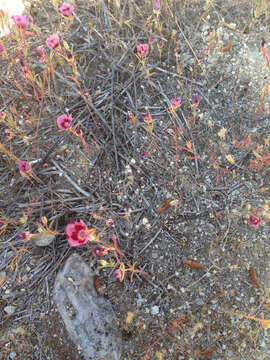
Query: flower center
column 82, row 235
column 66, row 124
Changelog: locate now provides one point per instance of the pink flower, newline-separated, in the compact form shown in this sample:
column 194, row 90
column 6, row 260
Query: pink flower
column 8, row 133
column 53, row 41
column 119, row 274
column 147, row 117
column 22, row 236
column 143, row 50
column 24, row 167
column 99, row 251
column 69, row 55
column 160, row 44
column 196, row 99
column 157, row 6
column 264, row 48
column 64, row 121
column 1, row 48
column 255, row 220
column 21, row 21
column 77, row 233
column 151, row 39
column 66, row 9
column 176, row 102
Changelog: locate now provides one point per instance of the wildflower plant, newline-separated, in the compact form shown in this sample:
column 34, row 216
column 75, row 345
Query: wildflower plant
column 45, row 228
column 196, row 101
column 143, row 52
column 64, row 123
column 175, row 103
column 105, row 90
column 78, row 235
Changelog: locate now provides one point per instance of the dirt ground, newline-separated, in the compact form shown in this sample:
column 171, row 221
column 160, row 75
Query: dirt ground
column 167, row 206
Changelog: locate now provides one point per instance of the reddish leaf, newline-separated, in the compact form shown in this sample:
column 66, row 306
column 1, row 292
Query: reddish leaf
column 193, row 264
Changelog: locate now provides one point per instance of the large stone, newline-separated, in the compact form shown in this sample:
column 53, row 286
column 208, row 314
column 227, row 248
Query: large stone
column 88, row 317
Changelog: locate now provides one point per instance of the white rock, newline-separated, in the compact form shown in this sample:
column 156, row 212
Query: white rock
column 155, row 310
column 10, row 309
column 11, row 7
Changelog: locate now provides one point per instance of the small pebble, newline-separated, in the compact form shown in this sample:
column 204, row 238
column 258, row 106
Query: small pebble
column 2, row 275
column 43, row 239
column 154, row 310
column 10, row 309
column 199, row 302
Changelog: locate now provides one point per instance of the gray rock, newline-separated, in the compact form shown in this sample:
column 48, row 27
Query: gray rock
column 88, row 317
column 43, row 239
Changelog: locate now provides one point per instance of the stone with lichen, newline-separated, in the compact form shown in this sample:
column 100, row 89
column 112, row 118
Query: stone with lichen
column 88, row 317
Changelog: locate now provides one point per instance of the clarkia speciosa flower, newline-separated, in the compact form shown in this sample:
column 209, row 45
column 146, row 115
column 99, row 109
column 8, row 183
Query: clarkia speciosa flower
column 66, row 10
column 24, row 167
column 64, row 121
column 53, row 41
column 143, row 50
column 78, row 234
column 21, row 21
column 255, row 220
